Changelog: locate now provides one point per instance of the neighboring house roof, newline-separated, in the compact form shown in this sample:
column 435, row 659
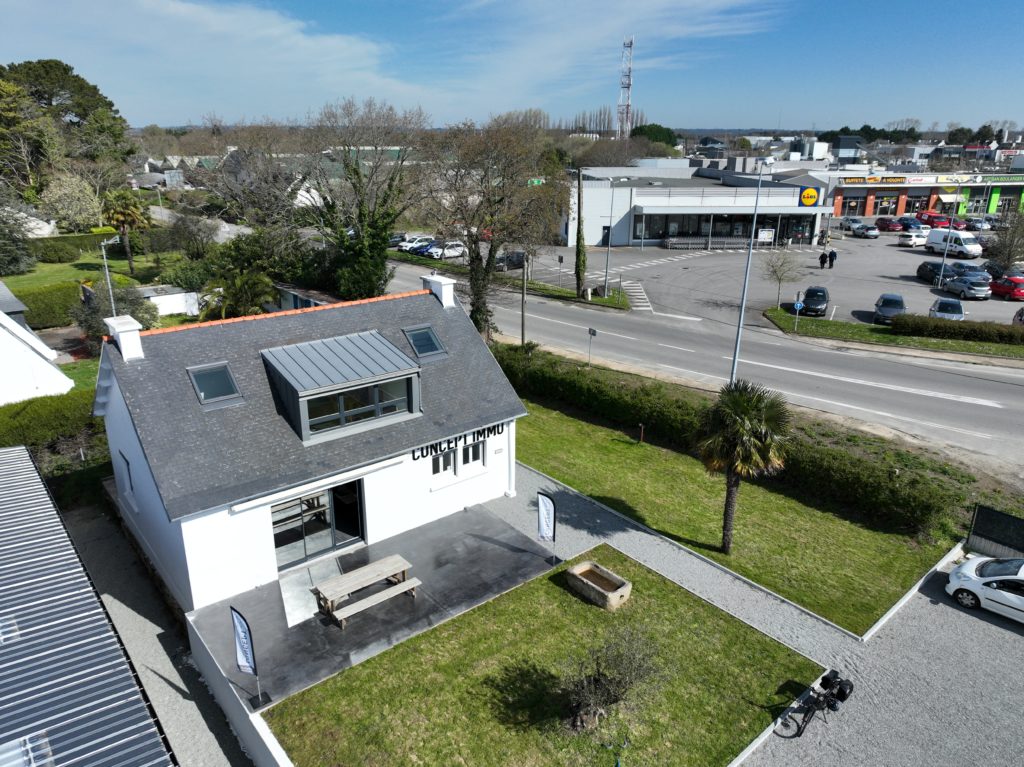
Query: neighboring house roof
column 9, row 303
column 30, row 365
column 68, row 693
column 205, row 459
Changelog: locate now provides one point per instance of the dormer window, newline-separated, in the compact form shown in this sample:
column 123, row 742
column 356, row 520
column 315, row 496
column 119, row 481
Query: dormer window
column 342, row 385
column 214, row 383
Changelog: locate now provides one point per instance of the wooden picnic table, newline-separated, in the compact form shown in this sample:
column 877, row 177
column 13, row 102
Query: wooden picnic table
column 331, row 592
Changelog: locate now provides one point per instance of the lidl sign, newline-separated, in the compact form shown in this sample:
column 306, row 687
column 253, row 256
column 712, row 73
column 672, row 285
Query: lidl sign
column 808, row 196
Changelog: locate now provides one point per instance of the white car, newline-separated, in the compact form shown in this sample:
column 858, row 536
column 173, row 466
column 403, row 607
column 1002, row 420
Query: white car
column 995, row 584
column 449, row 249
column 414, row 242
column 912, row 239
column 849, row 222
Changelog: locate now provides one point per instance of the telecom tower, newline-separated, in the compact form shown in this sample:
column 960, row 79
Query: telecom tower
column 624, row 118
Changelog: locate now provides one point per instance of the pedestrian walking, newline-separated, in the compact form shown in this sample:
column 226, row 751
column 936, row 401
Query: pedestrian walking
column 832, row 256
column 822, row 259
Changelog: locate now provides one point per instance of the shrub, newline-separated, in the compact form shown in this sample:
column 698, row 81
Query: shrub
column 190, row 275
column 45, row 420
column 47, row 306
column 106, row 231
column 930, row 327
column 54, row 250
column 15, row 254
column 90, row 314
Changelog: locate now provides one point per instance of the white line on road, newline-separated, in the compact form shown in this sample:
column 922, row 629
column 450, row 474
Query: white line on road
column 891, row 387
column 678, row 348
column 678, row 316
column 571, row 325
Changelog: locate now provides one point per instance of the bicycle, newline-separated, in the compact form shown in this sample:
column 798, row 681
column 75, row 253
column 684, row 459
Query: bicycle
column 834, row 691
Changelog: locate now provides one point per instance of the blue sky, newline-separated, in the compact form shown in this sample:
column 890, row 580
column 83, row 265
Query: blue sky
column 795, row 64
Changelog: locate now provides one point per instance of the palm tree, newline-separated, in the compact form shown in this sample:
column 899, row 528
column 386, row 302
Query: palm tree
column 744, row 436
column 237, row 294
column 125, row 212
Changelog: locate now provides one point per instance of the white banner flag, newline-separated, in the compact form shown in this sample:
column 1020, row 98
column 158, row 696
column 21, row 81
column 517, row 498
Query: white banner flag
column 245, row 657
column 545, row 517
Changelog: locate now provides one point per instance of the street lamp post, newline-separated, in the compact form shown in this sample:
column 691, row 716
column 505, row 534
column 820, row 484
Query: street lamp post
column 608, row 244
column 746, row 272
column 949, row 233
column 103, row 249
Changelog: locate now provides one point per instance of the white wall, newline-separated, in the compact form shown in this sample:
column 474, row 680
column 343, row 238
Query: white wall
column 141, row 507
column 176, row 303
column 28, row 371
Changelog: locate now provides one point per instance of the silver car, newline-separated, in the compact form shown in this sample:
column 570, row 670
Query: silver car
column 974, row 271
column 969, row 286
column 947, row 309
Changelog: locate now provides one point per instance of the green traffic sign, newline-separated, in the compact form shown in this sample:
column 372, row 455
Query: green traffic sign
column 534, row 182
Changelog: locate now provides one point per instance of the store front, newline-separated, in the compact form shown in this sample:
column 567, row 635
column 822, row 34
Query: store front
column 657, row 227
column 886, row 202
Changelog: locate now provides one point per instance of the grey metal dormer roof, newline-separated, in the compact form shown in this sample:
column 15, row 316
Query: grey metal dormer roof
column 203, row 459
column 331, row 362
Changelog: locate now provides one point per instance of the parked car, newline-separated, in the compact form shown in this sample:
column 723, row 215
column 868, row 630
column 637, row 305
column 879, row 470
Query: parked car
column 978, row 225
column 947, row 309
column 887, row 306
column 929, row 272
column 888, row 225
column 958, row 224
column 994, row 221
column 421, row 250
column 912, row 239
column 1018, row 318
column 977, row 271
column 987, row 241
column 967, row 286
column 448, row 249
column 395, row 238
column 997, row 270
column 933, row 218
column 909, row 223
column 414, row 242
column 955, row 244
column 509, row 259
column 1009, row 287
column 995, row 584
column 847, row 223
column 866, row 231
column 815, row 301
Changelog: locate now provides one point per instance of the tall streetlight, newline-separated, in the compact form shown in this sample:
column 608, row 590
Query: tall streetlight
column 103, row 248
column 949, row 232
column 608, row 248
column 746, row 273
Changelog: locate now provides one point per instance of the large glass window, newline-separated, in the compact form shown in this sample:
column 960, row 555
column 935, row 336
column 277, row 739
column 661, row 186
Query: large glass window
column 213, row 383
column 367, row 402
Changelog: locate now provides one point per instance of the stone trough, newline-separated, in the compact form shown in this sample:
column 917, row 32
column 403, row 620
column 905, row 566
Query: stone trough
column 599, row 585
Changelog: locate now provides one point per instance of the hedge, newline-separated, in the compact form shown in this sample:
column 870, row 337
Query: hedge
column 44, row 420
column 931, row 327
column 906, row 501
column 54, row 250
column 47, row 306
column 83, row 242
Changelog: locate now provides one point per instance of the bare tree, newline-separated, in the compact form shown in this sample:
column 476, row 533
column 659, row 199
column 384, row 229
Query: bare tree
column 781, row 266
column 479, row 190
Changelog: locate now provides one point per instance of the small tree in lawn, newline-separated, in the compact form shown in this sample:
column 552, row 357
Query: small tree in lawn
column 89, row 315
column 125, row 212
column 781, row 266
column 1008, row 249
column 743, row 436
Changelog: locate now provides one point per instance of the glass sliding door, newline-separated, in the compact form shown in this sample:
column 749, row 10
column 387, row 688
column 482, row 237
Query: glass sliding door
column 309, row 526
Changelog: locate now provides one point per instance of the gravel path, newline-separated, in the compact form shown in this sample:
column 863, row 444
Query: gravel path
column 196, row 728
column 937, row 685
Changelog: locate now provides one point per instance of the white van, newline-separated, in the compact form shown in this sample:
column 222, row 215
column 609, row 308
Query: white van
column 961, row 244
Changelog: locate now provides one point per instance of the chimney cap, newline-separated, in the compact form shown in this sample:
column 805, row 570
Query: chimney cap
column 124, row 323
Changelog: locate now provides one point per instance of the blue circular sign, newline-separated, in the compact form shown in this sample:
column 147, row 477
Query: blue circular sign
column 798, row 305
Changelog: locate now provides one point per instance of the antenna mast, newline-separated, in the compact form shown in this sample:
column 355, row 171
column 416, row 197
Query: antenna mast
column 624, row 117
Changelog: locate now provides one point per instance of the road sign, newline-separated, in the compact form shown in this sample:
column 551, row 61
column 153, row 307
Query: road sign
column 561, row 259
column 534, row 182
column 798, row 305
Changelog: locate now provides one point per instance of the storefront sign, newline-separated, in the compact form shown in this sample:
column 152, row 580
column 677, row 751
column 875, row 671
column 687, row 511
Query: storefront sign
column 808, row 196
column 921, row 180
column 954, row 179
column 452, row 443
column 875, row 180
column 999, row 179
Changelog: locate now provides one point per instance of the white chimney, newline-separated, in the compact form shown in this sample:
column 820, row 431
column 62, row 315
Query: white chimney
column 442, row 287
column 125, row 331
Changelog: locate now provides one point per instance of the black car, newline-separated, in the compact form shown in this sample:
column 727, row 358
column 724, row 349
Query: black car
column 815, row 301
column 997, row 270
column 929, row 272
column 509, row 259
column 887, row 306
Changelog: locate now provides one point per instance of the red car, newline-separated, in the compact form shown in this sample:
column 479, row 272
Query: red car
column 933, row 218
column 888, row 225
column 1010, row 288
column 959, row 224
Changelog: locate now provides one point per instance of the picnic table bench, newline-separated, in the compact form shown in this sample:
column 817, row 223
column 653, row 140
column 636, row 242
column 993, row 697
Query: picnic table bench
column 332, row 595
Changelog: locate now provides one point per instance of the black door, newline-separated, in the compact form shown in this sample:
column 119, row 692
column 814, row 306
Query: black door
column 347, row 501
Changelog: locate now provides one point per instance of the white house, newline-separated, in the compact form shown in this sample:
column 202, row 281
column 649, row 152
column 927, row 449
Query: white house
column 243, row 448
column 29, row 362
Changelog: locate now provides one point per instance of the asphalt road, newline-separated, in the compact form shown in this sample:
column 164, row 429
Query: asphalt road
column 960, row 407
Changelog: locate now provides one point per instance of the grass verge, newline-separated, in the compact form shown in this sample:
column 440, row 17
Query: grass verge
column 883, row 335
column 833, row 566
column 483, row 688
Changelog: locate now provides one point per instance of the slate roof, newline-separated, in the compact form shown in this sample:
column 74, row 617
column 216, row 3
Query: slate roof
column 205, row 460
column 68, row 694
column 9, row 303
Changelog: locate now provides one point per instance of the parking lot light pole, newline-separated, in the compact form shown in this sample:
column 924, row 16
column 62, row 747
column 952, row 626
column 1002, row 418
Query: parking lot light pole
column 949, row 235
column 608, row 248
column 106, row 271
column 746, row 272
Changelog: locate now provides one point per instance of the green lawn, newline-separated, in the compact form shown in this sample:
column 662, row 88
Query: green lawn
column 779, row 542
column 82, row 372
column 881, row 334
column 481, row 689
column 90, row 267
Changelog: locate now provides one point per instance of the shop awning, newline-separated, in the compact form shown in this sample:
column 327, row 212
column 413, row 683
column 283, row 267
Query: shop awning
column 946, row 197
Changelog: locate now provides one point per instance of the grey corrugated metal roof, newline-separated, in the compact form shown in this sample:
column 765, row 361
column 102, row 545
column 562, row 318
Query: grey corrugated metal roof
column 332, row 362
column 9, row 303
column 207, row 459
column 66, row 687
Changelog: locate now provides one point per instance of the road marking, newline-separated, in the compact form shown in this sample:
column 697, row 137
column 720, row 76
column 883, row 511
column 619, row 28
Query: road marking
column 943, row 426
column 678, row 317
column 637, row 296
column 891, row 387
column 678, row 348
column 693, row 372
column 572, row 325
